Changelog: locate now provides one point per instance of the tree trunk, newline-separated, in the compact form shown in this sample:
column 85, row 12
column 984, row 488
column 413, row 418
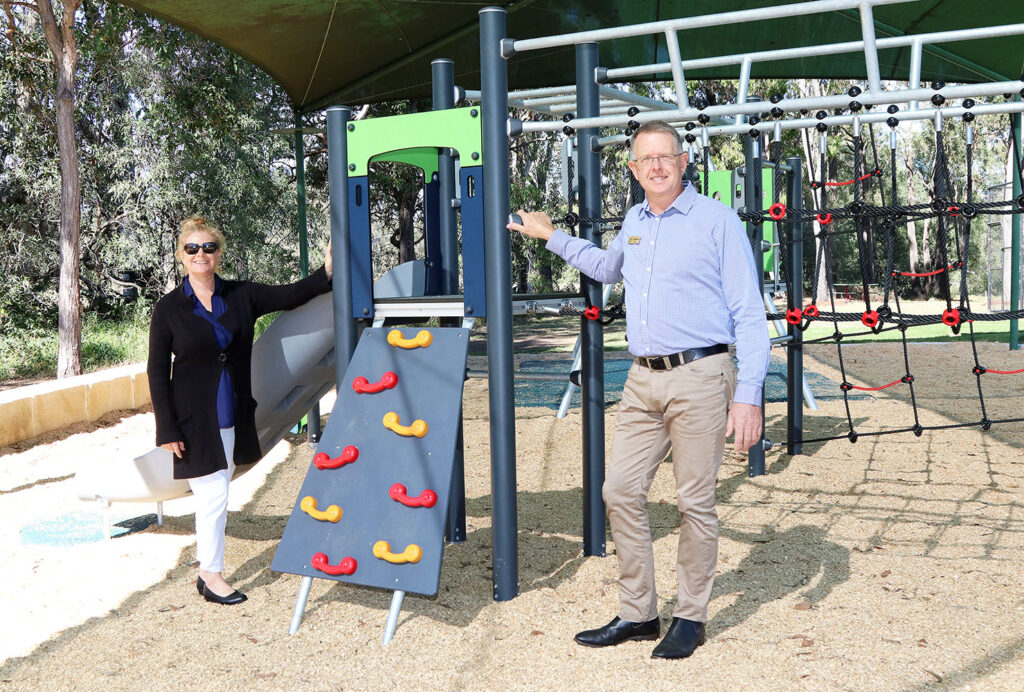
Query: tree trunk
column 406, row 216
column 61, row 40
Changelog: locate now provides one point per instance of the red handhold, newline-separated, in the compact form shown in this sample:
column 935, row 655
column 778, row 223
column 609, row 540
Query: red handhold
column 951, row 317
column 346, row 566
column 870, row 319
column 793, row 316
column 592, row 313
column 777, row 211
column 387, row 381
column 322, row 460
column 824, row 219
column 399, row 493
column 811, row 311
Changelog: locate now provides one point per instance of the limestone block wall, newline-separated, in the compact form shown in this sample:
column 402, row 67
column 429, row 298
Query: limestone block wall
column 40, row 408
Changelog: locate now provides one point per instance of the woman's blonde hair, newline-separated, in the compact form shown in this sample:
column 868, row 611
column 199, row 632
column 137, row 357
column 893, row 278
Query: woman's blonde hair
column 196, row 224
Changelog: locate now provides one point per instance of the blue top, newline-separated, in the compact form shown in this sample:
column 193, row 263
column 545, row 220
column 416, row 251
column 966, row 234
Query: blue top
column 225, row 391
column 690, row 282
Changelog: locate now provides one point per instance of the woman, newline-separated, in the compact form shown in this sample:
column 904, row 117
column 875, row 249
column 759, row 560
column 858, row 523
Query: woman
column 205, row 413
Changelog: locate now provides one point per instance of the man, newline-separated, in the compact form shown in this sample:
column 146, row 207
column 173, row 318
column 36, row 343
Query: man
column 691, row 289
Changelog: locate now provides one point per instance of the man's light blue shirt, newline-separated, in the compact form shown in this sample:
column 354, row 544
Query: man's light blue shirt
column 690, row 282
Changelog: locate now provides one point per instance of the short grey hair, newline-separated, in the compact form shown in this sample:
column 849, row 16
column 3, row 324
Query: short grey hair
column 656, row 126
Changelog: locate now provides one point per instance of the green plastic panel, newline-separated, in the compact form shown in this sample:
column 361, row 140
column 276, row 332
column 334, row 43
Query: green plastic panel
column 721, row 189
column 455, row 128
column 422, row 157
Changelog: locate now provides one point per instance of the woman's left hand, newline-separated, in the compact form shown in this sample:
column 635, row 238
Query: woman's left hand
column 328, row 263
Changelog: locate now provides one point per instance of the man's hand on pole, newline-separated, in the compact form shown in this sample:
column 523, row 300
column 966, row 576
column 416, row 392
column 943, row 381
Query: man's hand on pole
column 536, row 224
column 745, row 421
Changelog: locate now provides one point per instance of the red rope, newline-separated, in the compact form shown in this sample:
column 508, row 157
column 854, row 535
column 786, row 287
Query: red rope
column 932, row 273
column 816, row 184
column 875, row 389
column 1004, row 372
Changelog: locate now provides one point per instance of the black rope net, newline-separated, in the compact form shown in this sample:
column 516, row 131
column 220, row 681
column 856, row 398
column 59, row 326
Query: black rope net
column 952, row 221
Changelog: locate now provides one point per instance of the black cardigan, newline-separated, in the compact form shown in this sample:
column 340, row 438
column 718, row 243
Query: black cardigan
column 185, row 401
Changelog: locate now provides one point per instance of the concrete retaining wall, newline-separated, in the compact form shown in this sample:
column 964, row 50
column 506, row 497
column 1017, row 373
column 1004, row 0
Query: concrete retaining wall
column 40, row 408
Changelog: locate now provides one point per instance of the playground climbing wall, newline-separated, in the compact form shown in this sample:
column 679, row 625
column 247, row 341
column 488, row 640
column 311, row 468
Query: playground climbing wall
column 372, row 507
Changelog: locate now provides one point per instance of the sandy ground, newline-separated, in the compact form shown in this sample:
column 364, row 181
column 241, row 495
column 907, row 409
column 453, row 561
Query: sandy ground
column 889, row 564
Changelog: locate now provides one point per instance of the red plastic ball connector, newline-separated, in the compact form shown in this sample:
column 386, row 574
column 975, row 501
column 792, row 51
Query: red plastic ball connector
column 951, row 317
column 777, row 211
column 870, row 318
column 387, row 381
column 811, row 311
column 824, row 219
column 592, row 313
column 794, row 316
column 322, row 460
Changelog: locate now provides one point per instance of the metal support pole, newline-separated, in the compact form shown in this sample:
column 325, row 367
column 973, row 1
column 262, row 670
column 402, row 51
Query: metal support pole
column 592, row 344
column 300, row 604
column 498, row 265
column 337, row 170
column 313, row 417
column 443, row 73
column 392, row 622
column 795, row 291
column 1015, row 236
column 752, row 200
column 867, row 28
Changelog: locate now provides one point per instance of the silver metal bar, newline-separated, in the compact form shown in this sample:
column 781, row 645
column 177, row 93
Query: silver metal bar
column 577, row 360
column 744, row 90
column 300, row 604
column 628, row 97
column 672, row 42
column 700, row 22
column 844, row 120
column 793, row 104
column 867, row 29
column 160, row 513
column 621, row 73
column 915, row 70
column 392, row 621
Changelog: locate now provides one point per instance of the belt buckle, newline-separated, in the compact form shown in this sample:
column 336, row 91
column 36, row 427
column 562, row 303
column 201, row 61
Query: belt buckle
column 657, row 363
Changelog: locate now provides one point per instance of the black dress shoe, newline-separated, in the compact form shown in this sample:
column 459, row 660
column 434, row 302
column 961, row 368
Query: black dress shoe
column 231, row 599
column 200, row 585
column 618, row 631
column 681, row 640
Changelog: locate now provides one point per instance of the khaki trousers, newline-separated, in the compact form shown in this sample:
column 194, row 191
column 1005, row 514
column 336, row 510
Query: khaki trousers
column 684, row 408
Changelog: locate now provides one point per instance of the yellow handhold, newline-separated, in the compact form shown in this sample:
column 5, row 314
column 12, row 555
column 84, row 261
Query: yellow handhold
column 412, row 553
column 392, row 422
column 332, row 513
column 423, row 339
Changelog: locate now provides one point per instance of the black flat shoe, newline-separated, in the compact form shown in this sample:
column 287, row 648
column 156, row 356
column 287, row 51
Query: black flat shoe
column 232, row 598
column 200, row 585
column 618, row 631
column 681, row 640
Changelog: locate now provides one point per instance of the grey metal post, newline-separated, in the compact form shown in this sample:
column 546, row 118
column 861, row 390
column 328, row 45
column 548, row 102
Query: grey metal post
column 337, row 169
column 313, row 418
column 443, row 73
column 795, row 291
column 592, row 334
column 752, row 201
column 1015, row 237
column 498, row 265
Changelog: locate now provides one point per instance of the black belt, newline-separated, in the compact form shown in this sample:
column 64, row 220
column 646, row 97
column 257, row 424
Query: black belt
column 677, row 359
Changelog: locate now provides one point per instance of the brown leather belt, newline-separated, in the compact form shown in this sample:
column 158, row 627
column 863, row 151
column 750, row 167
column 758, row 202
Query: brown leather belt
column 677, row 359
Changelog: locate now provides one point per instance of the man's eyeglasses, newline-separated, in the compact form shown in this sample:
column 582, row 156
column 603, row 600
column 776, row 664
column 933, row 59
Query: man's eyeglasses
column 208, row 248
column 664, row 160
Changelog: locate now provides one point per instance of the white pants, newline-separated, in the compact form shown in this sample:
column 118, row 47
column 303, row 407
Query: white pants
column 211, row 494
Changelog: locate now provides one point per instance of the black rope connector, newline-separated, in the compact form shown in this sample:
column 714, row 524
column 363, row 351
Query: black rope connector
column 754, row 133
column 571, row 219
column 907, row 379
column 938, row 99
column 821, row 127
column 846, row 386
column 754, row 119
column 821, row 115
column 978, row 370
column 968, row 103
column 855, row 106
column 632, row 110
column 939, row 205
column 1020, row 202
column 937, row 84
column 690, row 137
column 777, row 112
column 884, row 312
column 569, row 132
column 968, row 117
column 986, row 423
column 969, row 210
column 703, row 118
column 575, row 377
column 854, row 91
column 852, row 435
column 892, row 122
column 568, row 117
column 633, row 125
column 775, row 98
column 690, row 126
column 856, row 208
column 917, row 429
column 893, row 109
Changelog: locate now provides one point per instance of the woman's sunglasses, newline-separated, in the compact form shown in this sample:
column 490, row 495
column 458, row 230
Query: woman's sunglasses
column 208, row 248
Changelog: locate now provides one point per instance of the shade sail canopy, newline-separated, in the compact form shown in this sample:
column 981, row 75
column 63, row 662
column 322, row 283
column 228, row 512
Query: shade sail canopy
column 360, row 51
